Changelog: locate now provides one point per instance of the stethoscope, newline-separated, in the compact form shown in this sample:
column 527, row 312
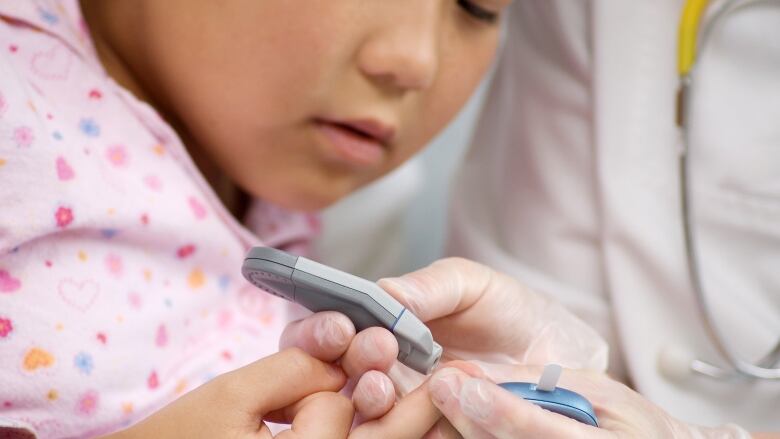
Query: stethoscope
column 691, row 34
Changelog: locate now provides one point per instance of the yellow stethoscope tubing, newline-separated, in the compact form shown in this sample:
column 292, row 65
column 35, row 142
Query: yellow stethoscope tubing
column 689, row 34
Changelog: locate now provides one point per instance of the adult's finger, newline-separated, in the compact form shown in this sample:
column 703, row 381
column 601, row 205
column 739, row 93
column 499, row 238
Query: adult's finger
column 595, row 386
column 443, row 288
column 444, row 387
column 324, row 335
column 276, row 382
column 323, row 415
column 475, row 405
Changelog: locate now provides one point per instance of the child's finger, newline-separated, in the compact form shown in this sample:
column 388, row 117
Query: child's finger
column 443, row 430
column 278, row 381
column 374, row 395
column 371, row 349
column 372, row 398
column 324, row 335
column 322, row 415
column 413, row 416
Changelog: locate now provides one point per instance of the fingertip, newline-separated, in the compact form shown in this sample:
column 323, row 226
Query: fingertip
column 332, row 332
column 379, row 348
column 324, row 335
column 445, row 390
column 477, row 400
column 371, row 349
column 374, row 395
column 406, row 292
column 444, row 386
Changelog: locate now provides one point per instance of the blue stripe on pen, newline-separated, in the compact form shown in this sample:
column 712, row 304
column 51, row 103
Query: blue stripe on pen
column 392, row 328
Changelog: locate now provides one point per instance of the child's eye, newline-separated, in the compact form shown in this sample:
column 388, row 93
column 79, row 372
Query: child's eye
column 478, row 11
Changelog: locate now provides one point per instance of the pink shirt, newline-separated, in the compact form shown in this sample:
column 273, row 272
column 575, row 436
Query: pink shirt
column 120, row 284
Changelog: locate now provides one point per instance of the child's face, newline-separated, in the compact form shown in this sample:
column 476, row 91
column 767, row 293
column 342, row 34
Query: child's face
column 274, row 92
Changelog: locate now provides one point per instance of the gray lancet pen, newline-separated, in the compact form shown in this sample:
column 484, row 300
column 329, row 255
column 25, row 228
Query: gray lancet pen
column 322, row 288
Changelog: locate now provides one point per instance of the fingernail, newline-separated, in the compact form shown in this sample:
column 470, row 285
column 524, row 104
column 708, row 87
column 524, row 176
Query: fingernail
column 370, row 348
column 412, row 295
column 444, row 386
column 476, row 401
column 329, row 333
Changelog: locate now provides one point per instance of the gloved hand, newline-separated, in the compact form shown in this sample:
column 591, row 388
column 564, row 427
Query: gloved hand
column 476, row 313
column 477, row 408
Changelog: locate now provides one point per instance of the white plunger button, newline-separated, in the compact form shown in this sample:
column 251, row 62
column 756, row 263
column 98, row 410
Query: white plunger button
column 549, row 379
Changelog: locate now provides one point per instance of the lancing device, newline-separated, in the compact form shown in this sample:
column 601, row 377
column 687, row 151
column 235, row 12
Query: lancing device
column 322, row 288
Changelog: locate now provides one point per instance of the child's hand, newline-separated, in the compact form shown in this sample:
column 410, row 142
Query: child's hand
column 365, row 357
column 288, row 387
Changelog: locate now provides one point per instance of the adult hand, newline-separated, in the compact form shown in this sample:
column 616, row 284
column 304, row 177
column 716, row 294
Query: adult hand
column 478, row 408
column 476, row 313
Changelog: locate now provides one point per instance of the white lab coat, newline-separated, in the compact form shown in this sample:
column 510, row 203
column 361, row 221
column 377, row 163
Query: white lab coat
column 572, row 186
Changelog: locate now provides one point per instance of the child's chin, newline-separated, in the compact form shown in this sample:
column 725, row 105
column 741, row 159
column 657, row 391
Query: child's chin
column 311, row 195
column 307, row 201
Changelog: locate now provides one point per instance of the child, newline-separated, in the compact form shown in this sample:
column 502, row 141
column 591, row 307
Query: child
column 134, row 133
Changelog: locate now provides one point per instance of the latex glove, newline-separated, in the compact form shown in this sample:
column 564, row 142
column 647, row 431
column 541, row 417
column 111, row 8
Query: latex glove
column 365, row 357
column 476, row 313
column 478, row 408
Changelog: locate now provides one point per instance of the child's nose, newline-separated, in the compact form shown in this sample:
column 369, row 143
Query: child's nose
column 404, row 54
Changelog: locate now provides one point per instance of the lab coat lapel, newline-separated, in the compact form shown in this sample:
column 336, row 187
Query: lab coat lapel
column 636, row 142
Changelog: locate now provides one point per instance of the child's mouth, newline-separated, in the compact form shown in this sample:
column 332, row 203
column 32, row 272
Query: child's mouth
column 359, row 142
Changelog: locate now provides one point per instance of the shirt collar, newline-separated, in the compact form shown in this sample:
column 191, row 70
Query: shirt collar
column 59, row 18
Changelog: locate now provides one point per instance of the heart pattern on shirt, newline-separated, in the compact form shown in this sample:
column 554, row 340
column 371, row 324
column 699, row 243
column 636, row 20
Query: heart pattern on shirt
column 37, row 358
column 53, row 63
column 197, row 208
column 8, row 283
column 80, row 295
column 161, row 339
column 153, row 382
column 64, row 171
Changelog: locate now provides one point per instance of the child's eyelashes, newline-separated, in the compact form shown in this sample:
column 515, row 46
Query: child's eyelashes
column 479, row 12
